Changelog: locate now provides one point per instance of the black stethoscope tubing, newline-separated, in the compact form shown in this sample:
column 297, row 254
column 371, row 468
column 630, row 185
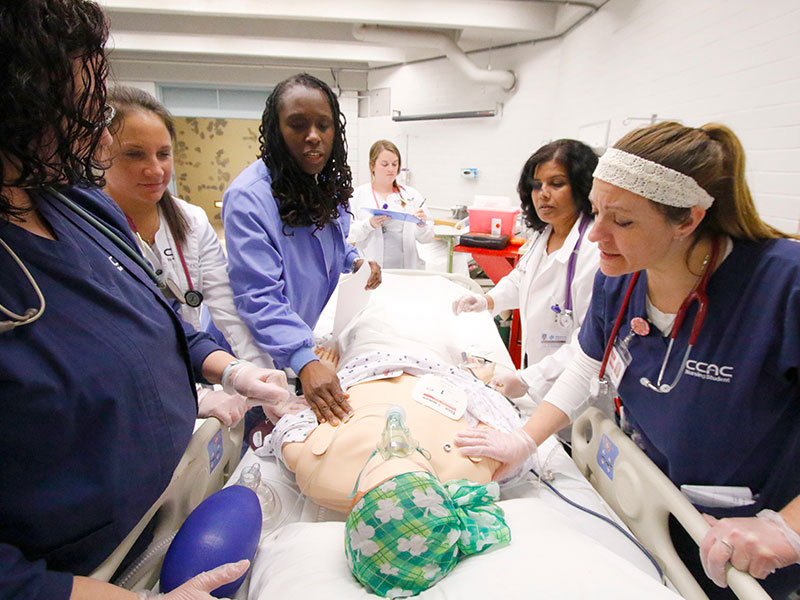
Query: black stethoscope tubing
column 112, row 237
column 191, row 297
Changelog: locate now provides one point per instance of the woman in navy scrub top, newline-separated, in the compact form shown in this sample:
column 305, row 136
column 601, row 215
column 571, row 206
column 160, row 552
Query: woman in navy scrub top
column 671, row 205
column 97, row 371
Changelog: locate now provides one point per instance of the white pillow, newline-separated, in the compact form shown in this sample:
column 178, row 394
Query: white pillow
column 547, row 558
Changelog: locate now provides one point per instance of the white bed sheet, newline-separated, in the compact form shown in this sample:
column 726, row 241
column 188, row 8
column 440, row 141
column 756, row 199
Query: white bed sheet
column 578, row 555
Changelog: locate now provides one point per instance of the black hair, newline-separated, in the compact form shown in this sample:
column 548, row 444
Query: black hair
column 127, row 100
column 52, row 96
column 579, row 161
column 303, row 199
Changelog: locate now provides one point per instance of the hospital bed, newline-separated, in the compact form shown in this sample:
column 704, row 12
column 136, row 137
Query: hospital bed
column 557, row 550
column 212, row 455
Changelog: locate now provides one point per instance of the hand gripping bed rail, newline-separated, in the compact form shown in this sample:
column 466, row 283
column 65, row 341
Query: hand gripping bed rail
column 644, row 498
column 209, row 459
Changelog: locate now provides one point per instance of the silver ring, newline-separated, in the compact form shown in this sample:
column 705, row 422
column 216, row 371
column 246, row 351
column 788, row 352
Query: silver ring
column 726, row 543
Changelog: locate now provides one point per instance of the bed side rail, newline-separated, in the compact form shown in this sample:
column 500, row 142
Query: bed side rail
column 644, row 498
column 210, row 458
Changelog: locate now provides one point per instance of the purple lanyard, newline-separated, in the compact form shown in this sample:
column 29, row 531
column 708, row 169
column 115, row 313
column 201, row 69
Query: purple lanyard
column 573, row 258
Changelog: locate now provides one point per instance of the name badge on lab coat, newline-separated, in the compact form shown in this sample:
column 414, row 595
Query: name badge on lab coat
column 553, row 338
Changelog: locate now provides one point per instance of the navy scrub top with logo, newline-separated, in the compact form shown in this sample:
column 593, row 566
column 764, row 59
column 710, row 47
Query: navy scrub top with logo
column 734, row 417
column 97, row 398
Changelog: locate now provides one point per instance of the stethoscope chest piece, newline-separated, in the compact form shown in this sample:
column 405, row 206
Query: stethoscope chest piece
column 193, row 298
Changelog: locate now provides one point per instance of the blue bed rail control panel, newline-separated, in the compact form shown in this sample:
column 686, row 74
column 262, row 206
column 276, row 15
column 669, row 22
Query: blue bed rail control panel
column 215, row 451
column 606, row 456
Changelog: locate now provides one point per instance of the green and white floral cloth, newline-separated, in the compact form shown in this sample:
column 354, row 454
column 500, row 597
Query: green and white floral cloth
column 407, row 533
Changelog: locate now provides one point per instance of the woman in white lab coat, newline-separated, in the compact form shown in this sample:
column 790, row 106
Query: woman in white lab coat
column 175, row 236
column 552, row 282
column 391, row 242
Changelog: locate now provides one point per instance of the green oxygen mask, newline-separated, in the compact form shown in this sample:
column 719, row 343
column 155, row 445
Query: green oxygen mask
column 396, row 440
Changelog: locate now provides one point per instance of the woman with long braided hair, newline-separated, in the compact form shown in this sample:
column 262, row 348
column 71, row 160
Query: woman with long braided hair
column 286, row 225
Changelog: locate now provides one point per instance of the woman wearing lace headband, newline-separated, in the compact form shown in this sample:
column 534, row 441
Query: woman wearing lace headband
column 678, row 231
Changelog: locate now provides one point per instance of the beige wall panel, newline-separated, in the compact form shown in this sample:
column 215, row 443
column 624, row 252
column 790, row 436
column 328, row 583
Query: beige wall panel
column 209, row 154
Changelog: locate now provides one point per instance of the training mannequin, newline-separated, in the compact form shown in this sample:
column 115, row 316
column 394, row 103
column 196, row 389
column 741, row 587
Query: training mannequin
column 329, row 461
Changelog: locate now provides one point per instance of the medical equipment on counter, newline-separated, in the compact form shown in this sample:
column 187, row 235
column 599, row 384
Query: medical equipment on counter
column 644, row 498
column 563, row 315
column 600, row 386
column 222, row 529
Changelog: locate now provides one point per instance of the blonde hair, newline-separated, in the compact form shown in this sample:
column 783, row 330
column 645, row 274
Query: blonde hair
column 375, row 151
column 713, row 156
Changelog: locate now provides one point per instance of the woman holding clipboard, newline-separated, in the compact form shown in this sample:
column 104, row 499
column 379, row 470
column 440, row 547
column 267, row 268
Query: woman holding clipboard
column 388, row 219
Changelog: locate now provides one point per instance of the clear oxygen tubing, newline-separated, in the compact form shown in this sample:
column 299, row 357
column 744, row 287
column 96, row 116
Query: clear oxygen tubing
column 154, row 554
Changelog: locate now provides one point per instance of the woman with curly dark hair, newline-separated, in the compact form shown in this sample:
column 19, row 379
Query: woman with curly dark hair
column 286, row 225
column 552, row 284
column 97, row 376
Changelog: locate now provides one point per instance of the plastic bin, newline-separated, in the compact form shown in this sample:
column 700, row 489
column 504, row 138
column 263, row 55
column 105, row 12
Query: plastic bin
column 480, row 219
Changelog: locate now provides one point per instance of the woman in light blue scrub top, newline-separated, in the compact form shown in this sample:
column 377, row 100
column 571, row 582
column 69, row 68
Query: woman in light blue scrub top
column 286, row 226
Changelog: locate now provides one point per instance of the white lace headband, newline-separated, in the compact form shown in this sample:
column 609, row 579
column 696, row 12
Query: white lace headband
column 651, row 180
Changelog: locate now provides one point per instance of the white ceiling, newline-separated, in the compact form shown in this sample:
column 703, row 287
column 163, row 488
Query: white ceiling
column 319, row 34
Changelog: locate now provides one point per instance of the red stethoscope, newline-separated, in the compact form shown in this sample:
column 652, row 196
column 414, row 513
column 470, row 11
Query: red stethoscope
column 698, row 294
column 191, row 297
column 385, row 206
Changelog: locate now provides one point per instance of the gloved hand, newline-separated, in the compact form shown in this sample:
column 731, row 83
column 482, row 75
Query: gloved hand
column 259, row 386
column 228, row 408
column 292, row 406
column 508, row 383
column 199, row 586
column 511, row 449
column 470, row 303
column 756, row 545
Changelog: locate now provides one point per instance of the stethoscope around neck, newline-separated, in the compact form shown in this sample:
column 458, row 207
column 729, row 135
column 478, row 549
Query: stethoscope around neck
column 190, row 297
column 32, row 314
column 385, row 205
column 564, row 314
column 699, row 295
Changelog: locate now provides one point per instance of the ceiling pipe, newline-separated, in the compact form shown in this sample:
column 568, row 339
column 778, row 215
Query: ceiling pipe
column 432, row 39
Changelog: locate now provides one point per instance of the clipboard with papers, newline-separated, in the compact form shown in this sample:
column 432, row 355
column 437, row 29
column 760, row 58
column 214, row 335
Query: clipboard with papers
column 401, row 216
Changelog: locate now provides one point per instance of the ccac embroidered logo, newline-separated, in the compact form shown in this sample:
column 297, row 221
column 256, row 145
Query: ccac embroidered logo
column 709, row 371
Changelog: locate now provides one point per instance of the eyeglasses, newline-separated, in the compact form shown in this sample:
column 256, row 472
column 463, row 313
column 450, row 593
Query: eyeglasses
column 108, row 116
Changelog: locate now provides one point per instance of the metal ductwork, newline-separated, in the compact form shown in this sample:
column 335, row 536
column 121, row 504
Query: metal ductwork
column 432, row 39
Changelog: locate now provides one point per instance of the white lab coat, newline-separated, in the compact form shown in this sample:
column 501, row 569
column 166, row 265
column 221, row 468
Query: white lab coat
column 537, row 283
column 369, row 240
column 207, row 267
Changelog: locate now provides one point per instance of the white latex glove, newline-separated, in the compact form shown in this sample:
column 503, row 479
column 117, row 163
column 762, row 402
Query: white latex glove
column 756, row 545
column 199, row 586
column 470, row 303
column 228, row 408
column 508, row 383
column 290, row 406
column 511, row 449
column 261, row 387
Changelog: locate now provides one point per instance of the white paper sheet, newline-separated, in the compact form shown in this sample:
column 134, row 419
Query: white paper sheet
column 351, row 298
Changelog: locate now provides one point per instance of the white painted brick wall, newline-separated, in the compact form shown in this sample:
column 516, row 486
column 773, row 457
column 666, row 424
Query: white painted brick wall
column 733, row 61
